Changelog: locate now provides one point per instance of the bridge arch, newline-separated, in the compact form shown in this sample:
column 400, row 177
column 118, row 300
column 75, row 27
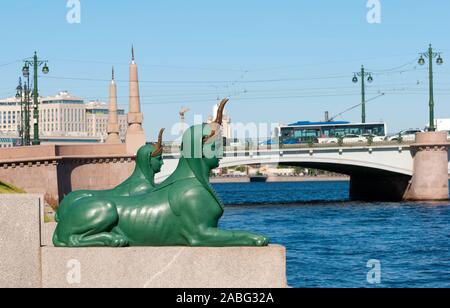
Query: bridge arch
column 346, row 166
column 375, row 174
column 369, row 180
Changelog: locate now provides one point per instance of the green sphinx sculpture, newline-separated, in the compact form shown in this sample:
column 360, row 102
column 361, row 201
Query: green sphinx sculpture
column 148, row 164
column 182, row 211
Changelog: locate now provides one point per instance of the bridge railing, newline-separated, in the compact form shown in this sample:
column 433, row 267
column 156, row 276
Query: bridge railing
column 256, row 146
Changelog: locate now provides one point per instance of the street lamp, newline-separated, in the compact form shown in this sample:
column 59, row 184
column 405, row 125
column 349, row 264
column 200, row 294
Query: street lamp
column 421, row 60
column 35, row 63
column 430, row 55
column 45, row 69
column 26, row 71
column 19, row 89
column 363, row 74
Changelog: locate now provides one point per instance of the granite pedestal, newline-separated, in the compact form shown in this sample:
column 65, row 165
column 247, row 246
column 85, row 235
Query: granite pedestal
column 28, row 259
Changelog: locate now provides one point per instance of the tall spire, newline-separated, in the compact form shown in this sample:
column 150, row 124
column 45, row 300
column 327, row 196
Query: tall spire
column 135, row 137
column 113, row 120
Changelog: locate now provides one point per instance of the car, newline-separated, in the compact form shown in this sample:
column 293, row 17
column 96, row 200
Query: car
column 349, row 138
column 406, row 135
column 374, row 137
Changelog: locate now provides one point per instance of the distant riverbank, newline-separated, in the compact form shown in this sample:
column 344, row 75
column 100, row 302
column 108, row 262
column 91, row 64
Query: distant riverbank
column 280, row 179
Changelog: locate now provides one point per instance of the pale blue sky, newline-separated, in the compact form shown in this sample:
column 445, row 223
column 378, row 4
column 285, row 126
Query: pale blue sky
column 279, row 61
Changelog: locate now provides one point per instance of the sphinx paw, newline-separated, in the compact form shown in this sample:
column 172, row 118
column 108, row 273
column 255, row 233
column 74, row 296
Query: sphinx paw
column 119, row 241
column 261, row 241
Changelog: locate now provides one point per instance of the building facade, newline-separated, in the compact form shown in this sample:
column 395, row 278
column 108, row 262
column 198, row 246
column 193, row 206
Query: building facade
column 97, row 120
column 61, row 115
column 10, row 117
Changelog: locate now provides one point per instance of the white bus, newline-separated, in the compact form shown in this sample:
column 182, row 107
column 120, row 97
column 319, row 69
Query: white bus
column 330, row 132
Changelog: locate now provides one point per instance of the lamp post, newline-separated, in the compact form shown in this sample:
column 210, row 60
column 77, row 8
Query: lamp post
column 26, row 105
column 35, row 63
column 363, row 74
column 19, row 95
column 431, row 55
column 27, row 138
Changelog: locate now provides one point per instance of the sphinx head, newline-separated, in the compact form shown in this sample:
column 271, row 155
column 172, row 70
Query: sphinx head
column 149, row 157
column 204, row 142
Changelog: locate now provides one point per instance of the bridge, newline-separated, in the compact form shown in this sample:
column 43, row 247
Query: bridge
column 377, row 172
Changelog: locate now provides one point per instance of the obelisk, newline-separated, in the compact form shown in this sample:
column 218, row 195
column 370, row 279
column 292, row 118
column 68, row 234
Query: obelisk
column 113, row 120
column 135, row 137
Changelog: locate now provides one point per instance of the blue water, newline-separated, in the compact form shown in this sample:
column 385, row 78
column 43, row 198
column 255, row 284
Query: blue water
column 329, row 239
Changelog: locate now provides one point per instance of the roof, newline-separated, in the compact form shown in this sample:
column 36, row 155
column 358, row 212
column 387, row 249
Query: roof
column 64, row 95
column 10, row 101
column 308, row 123
column 96, row 105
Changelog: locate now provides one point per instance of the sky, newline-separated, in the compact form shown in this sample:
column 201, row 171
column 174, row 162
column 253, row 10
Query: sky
column 278, row 61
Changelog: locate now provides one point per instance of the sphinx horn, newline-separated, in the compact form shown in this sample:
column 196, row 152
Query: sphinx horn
column 206, row 138
column 220, row 110
column 158, row 149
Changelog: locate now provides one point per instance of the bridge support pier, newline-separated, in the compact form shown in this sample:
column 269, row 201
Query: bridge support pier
column 383, row 187
column 430, row 178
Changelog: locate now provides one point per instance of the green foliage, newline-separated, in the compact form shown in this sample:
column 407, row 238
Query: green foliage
column 241, row 169
column 313, row 172
column 341, row 141
column 48, row 218
column 6, row 188
column 369, row 140
column 298, row 170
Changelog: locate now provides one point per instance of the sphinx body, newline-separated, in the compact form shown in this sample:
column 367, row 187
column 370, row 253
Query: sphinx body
column 182, row 211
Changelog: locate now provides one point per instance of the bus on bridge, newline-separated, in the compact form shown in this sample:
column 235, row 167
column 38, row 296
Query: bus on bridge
column 329, row 132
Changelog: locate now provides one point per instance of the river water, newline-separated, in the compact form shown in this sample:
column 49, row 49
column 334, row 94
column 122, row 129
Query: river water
column 330, row 240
